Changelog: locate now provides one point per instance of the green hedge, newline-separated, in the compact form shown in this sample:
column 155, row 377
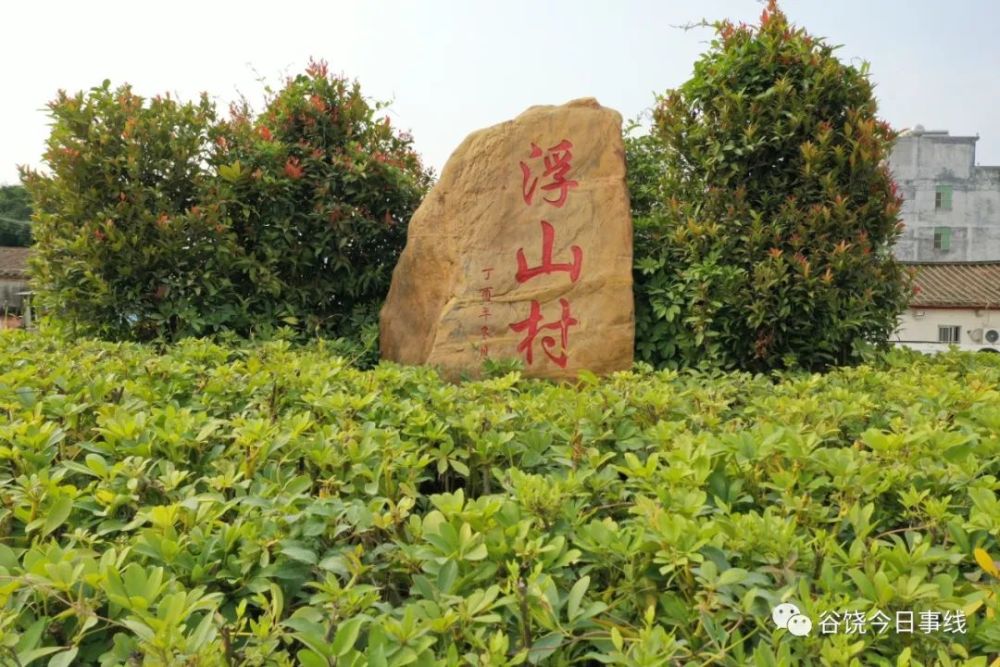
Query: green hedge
column 272, row 505
column 158, row 220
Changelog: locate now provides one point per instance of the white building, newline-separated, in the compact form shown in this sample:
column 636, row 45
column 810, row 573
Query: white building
column 954, row 304
column 951, row 206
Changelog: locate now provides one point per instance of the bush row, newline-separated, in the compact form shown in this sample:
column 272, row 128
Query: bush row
column 271, row 505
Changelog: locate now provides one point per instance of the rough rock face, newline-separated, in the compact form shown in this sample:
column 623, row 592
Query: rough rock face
column 522, row 250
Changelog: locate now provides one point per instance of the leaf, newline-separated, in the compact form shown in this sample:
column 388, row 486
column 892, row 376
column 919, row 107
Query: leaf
column 616, row 639
column 544, row 647
column 309, row 658
column 208, row 429
column 142, row 630
column 347, row 634
column 300, row 554
column 8, row 558
column 203, row 633
column 231, row 172
column 63, row 659
column 479, row 552
column 576, row 596
column 26, row 657
column 310, row 633
column 447, row 575
column 97, row 464
column 986, row 562
column 29, row 638
column 57, row 514
column 733, row 575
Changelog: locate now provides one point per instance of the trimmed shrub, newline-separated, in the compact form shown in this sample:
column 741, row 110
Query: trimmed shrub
column 122, row 249
column 317, row 192
column 772, row 247
column 157, row 220
column 267, row 504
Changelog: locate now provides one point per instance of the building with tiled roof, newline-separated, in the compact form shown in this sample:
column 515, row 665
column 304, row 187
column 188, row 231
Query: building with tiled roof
column 954, row 303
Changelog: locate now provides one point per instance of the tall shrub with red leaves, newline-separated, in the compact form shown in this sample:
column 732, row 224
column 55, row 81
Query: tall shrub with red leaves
column 155, row 219
column 318, row 190
column 771, row 244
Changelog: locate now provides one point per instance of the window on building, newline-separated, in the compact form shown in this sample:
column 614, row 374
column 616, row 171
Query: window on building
column 942, row 238
column 949, row 334
column 942, row 198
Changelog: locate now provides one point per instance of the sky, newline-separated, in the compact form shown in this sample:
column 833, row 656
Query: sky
column 449, row 67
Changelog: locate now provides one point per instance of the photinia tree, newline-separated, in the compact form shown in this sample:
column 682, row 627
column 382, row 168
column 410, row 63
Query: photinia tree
column 125, row 247
column 155, row 219
column 772, row 245
column 317, row 191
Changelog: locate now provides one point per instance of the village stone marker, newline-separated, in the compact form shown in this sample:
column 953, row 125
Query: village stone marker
column 522, row 250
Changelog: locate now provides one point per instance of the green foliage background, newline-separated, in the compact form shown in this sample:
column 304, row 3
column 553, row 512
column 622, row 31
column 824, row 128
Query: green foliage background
column 264, row 504
column 15, row 216
column 157, row 220
column 765, row 213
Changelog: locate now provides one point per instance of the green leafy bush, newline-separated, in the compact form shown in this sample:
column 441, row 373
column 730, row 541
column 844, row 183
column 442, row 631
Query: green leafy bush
column 123, row 250
column 772, row 246
column 318, row 192
column 157, row 220
column 270, row 505
column 645, row 157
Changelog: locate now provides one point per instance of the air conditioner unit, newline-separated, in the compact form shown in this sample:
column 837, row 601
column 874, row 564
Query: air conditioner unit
column 976, row 335
column 991, row 336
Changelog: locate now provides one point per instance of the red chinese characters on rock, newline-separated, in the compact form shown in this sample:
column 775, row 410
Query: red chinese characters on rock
column 532, row 329
column 524, row 274
column 556, row 162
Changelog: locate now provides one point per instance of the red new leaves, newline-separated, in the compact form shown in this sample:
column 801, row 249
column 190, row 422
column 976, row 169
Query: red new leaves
column 292, row 168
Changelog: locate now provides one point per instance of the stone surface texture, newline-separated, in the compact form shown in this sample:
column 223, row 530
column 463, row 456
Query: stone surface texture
column 523, row 249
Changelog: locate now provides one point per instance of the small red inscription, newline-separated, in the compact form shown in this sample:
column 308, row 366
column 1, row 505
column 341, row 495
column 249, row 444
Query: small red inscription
column 485, row 298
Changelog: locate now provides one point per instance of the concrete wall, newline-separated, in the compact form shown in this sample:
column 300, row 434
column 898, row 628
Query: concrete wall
column 920, row 162
column 919, row 326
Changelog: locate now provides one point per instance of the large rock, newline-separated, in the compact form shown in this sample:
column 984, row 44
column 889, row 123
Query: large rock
column 522, row 250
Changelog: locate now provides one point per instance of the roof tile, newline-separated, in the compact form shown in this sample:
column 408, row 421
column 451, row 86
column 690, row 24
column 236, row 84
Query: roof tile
column 957, row 284
column 14, row 262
